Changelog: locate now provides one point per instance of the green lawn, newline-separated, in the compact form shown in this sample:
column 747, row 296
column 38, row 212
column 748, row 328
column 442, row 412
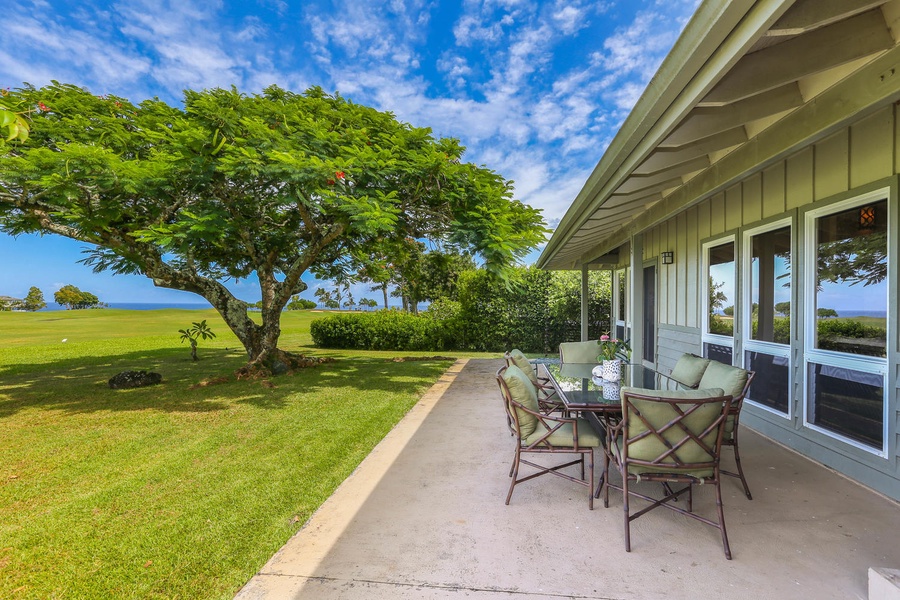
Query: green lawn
column 182, row 490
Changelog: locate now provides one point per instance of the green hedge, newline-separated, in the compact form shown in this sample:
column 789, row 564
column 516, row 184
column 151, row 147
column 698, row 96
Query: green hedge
column 380, row 330
column 534, row 312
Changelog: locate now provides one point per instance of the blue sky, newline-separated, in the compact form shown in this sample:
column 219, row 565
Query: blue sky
column 535, row 90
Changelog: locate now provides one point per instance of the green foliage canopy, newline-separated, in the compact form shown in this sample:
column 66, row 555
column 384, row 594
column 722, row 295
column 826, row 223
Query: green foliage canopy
column 232, row 185
column 34, row 300
column 73, row 298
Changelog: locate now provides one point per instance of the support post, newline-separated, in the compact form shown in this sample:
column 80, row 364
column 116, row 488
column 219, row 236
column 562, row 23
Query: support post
column 585, row 301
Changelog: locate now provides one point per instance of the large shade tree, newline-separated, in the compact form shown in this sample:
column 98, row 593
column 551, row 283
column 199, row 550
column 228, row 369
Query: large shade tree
column 233, row 185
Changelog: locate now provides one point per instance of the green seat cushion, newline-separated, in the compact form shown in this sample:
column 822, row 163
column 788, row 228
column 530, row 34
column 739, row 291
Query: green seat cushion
column 579, row 352
column 521, row 361
column 660, row 413
column 563, row 437
column 689, row 369
column 731, row 379
column 522, row 391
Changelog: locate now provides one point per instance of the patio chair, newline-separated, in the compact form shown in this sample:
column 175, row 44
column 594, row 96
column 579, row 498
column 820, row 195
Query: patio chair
column 673, row 437
column 579, row 352
column 736, row 382
column 547, row 396
column 539, row 433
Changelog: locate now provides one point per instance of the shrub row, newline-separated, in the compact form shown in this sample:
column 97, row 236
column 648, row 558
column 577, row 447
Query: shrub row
column 535, row 313
column 380, row 330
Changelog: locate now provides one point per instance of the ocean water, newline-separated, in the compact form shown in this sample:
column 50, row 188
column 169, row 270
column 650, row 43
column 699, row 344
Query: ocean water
column 878, row 314
column 140, row 306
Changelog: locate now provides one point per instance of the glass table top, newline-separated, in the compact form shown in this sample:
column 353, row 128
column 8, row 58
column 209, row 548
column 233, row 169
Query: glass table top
column 582, row 388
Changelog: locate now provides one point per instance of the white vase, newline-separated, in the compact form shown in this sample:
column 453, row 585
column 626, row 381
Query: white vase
column 612, row 369
column 610, row 390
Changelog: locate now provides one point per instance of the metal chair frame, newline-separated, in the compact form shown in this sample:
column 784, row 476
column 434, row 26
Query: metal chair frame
column 675, row 471
column 736, row 404
column 735, row 411
column 543, row 446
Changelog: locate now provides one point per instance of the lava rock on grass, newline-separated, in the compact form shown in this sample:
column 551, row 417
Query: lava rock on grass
column 134, row 379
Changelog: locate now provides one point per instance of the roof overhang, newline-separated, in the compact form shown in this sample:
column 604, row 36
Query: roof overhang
column 747, row 84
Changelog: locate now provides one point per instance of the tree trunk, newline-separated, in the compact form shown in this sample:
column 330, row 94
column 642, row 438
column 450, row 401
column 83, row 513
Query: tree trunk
column 385, row 291
column 194, row 349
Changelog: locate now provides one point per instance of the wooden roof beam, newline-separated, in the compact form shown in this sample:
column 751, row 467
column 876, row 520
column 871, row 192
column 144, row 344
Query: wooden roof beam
column 812, row 52
column 665, row 156
column 706, row 121
column 806, row 15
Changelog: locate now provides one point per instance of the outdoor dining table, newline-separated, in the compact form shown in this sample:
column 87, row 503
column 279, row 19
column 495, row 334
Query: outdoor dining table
column 597, row 399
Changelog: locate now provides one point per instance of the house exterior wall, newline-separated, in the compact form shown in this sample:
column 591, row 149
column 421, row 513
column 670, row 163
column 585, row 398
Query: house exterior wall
column 855, row 159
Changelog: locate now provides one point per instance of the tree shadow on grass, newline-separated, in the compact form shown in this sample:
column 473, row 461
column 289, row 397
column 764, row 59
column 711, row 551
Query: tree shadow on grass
column 80, row 385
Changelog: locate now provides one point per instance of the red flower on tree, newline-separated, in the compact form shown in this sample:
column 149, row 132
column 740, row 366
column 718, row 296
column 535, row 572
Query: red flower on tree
column 339, row 174
column 43, row 107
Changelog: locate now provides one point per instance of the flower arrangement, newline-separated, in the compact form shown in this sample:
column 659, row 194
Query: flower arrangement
column 613, row 348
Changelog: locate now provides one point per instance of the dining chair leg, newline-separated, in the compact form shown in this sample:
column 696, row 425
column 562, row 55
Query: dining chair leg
column 721, row 510
column 515, row 475
column 591, row 485
column 740, row 470
column 625, row 511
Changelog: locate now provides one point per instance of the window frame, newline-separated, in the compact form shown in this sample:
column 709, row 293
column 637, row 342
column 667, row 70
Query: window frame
column 833, row 358
column 705, row 336
column 620, row 291
column 748, row 344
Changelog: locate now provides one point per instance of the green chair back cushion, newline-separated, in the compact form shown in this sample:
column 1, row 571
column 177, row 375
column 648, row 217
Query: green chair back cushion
column 579, row 352
column 689, row 369
column 521, row 361
column 660, row 413
column 731, row 379
column 522, row 391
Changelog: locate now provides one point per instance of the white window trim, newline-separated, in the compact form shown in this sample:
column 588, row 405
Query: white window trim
column 617, row 290
column 865, row 364
column 705, row 336
column 751, row 345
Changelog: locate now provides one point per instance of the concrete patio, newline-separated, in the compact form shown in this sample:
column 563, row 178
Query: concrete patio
column 424, row 517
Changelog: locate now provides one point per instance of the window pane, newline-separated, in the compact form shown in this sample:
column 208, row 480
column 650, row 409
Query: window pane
column 718, row 353
column 620, row 315
column 721, row 289
column 770, row 386
column 851, row 290
column 770, row 286
column 848, row 402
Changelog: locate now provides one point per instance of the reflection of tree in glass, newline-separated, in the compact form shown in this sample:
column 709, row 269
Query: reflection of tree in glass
column 783, row 308
column 861, row 259
column 717, row 299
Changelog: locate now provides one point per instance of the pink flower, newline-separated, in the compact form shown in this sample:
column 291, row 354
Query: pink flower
column 604, row 338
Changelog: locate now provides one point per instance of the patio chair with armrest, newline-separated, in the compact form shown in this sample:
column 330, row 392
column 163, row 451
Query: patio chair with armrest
column 736, row 382
column 540, row 433
column 670, row 437
column 548, row 399
column 579, row 352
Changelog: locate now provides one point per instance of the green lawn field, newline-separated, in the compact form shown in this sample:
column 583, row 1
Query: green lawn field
column 180, row 490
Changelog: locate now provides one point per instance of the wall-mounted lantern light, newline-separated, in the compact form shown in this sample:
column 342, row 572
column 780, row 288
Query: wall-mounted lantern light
column 866, row 217
column 668, row 257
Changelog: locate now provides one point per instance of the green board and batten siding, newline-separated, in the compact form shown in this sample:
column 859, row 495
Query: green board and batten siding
column 848, row 162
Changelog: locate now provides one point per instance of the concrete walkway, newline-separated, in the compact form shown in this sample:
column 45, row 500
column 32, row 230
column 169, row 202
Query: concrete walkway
column 424, row 517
